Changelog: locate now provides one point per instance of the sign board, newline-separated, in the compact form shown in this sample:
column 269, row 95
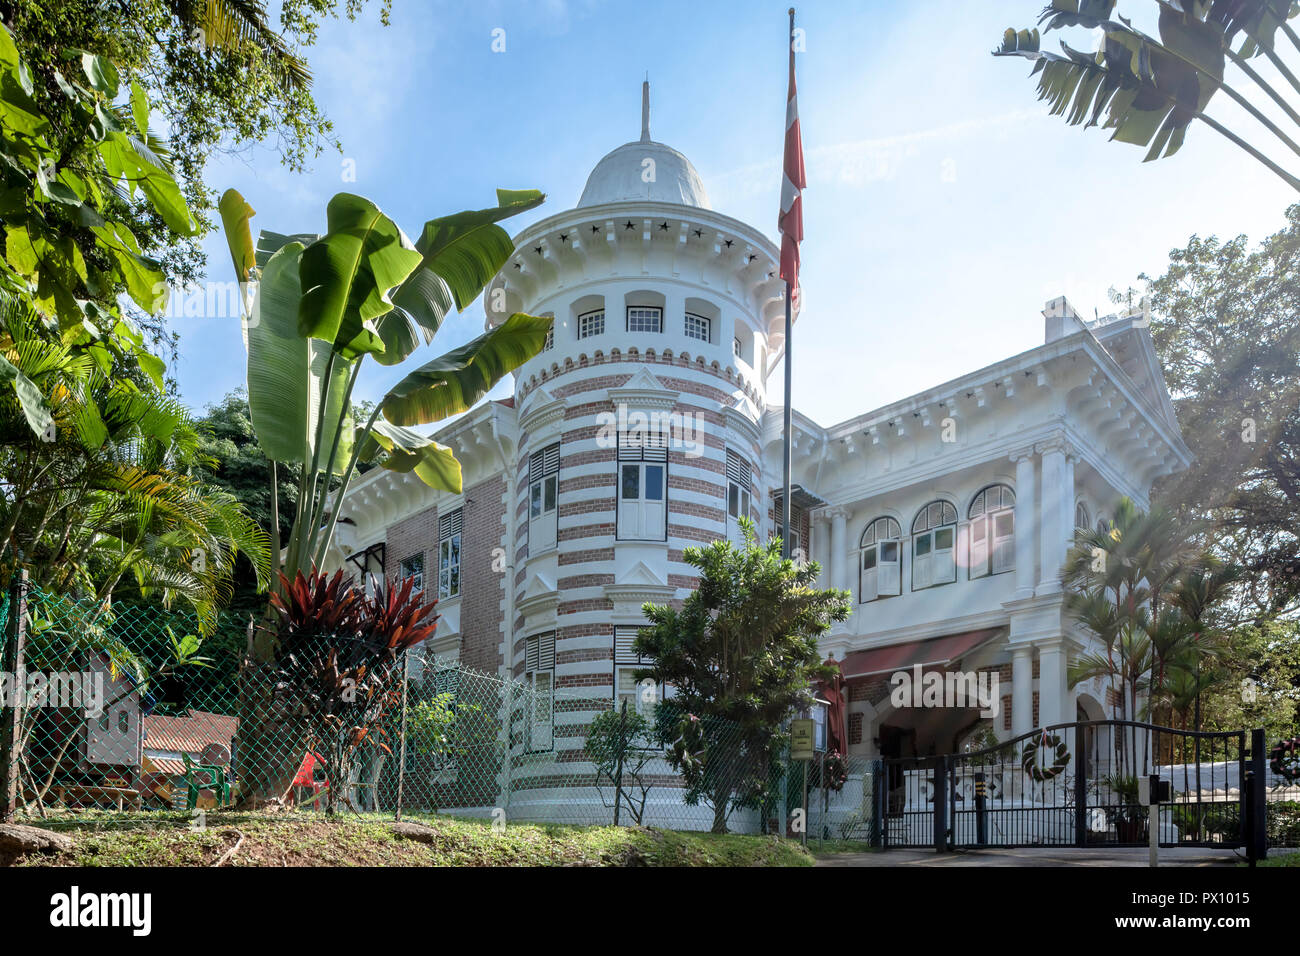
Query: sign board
column 802, row 732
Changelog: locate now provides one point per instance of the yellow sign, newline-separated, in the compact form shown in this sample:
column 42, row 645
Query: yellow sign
column 801, row 739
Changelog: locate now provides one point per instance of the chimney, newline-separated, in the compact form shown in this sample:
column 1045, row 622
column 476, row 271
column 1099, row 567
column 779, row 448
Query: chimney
column 1060, row 319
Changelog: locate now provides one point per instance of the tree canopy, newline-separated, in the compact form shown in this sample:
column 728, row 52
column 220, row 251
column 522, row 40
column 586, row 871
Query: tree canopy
column 1224, row 325
column 741, row 657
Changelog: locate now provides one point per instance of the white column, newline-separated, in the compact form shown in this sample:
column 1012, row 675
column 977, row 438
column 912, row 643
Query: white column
column 1051, row 682
column 1022, row 690
column 821, row 546
column 1026, row 524
column 1057, row 515
column 839, row 547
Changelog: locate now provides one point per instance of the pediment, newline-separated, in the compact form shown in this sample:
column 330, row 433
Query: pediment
column 643, row 390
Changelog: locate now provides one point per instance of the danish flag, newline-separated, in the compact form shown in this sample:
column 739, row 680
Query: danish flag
column 790, row 222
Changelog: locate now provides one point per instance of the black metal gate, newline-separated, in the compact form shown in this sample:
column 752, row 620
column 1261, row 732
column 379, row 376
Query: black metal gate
column 1076, row 785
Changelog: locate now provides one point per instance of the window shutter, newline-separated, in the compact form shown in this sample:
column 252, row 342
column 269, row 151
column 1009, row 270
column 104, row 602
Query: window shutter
column 546, row 652
column 979, row 547
column 737, row 469
column 889, row 576
column 640, row 445
column 530, row 654
column 449, row 524
column 623, row 652
column 943, row 560
column 867, row 585
column 922, row 545
column 1004, row 541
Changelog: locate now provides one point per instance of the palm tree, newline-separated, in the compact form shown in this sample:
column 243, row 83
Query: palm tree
column 104, row 492
column 1151, row 89
column 242, row 27
column 1119, row 584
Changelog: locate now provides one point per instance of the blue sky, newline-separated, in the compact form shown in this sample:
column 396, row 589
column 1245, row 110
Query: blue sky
column 943, row 208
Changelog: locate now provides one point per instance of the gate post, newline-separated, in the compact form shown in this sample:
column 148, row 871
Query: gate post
column 878, row 825
column 1080, row 787
column 941, row 805
column 1257, row 830
column 981, row 817
column 13, row 658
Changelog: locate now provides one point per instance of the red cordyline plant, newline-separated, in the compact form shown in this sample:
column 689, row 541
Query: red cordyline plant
column 337, row 656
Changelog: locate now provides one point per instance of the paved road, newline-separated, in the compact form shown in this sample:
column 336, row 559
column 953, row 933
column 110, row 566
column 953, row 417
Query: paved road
column 1036, row 856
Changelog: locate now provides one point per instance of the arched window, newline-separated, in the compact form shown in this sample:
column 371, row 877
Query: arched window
column 1081, row 519
column 934, row 539
column 993, row 531
column 881, row 559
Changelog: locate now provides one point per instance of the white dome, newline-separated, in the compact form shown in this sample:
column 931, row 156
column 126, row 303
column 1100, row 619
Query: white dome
column 645, row 171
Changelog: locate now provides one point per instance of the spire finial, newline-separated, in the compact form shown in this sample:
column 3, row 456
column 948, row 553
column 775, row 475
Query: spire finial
column 645, row 110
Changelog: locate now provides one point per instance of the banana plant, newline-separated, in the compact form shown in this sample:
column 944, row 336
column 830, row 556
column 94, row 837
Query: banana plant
column 1152, row 89
column 318, row 306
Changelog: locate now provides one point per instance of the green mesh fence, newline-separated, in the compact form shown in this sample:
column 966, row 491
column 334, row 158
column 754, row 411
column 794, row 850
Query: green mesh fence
column 124, row 721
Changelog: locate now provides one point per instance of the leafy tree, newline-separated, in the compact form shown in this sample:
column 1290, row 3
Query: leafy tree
column 97, row 461
column 325, row 303
column 741, row 657
column 1255, row 680
column 216, row 74
column 619, row 745
column 1152, row 88
column 1223, row 323
column 1147, row 589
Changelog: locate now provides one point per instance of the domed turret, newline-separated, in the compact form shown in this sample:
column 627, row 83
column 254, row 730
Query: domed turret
column 645, row 170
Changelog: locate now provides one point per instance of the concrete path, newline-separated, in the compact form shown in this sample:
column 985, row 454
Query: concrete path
column 1037, row 856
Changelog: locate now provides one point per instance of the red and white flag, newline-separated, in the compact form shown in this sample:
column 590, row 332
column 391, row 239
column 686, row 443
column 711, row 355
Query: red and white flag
column 790, row 223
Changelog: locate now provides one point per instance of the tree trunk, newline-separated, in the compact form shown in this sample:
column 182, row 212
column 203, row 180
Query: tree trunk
column 271, row 741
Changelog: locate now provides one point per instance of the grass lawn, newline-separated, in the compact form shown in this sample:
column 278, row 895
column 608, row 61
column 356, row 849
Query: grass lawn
column 1279, row 858
column 271, row 839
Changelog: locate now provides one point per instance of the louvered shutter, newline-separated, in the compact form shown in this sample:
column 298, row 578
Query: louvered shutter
column 979, row 547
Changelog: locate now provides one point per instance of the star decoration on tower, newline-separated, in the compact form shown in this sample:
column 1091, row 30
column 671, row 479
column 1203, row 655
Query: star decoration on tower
column 699, row 233
column 628, row 225
column 564, row 237
column 595, row 229
column 537, row 249
column 663, row 227
column 728, row 243
column 752, row 257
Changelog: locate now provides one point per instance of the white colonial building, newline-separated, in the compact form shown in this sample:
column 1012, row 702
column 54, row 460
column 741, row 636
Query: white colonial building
column 647, row 426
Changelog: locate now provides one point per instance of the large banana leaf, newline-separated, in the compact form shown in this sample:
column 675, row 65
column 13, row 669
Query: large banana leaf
column 235, row 215
column 348, row 274
column 1150, row 91
column 452, row 383
column 285, row 369
column 409, row 451
column 468, row 249
column 460, row 255
column 29, row 397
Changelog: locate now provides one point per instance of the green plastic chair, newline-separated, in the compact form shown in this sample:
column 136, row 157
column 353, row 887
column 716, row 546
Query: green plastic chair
column 216, row 776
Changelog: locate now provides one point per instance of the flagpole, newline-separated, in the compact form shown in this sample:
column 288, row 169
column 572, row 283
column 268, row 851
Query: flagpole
column 789, row 411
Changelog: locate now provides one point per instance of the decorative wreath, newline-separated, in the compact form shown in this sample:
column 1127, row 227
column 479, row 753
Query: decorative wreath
column 1284, row 760
column 1040, row 772
column 832, row 772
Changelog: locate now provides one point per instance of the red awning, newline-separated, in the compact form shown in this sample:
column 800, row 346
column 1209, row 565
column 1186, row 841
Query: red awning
column 935, row 652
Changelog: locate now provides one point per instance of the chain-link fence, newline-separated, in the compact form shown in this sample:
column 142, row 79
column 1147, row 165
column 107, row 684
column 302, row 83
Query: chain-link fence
column 125, row 711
